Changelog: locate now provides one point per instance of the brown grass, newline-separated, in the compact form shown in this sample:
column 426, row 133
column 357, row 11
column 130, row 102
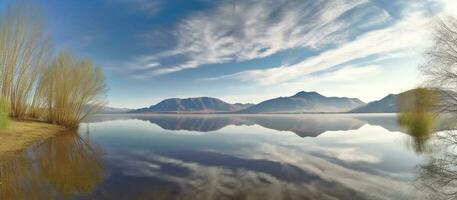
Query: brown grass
column 21, row 134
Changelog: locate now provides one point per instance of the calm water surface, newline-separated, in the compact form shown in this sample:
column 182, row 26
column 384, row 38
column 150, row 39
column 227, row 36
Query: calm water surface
column 233, row 157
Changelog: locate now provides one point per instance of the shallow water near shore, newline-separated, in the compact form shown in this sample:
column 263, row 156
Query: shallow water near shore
column 342, row 156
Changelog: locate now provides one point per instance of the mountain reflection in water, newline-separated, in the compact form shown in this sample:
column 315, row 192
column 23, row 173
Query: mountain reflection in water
column 302, row 125
column 332, row 156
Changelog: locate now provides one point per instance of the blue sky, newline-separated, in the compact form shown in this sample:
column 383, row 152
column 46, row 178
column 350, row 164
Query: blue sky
column 247, row 50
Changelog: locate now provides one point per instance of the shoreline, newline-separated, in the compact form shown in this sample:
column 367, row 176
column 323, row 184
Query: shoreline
column 247, row 114
column 21, row 134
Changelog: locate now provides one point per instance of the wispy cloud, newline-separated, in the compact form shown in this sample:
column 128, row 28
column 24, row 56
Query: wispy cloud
column 206, row 181
column 246, row 30
column 150, row 7
column 406, row 36
column 344, row 32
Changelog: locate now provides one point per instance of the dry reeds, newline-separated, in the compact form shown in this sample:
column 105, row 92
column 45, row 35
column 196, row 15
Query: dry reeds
column 69, row 90
column 63, row 91
column 4, row 111
column 24, row 52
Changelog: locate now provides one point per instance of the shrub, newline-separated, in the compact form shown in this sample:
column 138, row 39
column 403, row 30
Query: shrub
column 417, row 115
column 417, row 111
column 61, row 91
column 69, row 90
column 24, row 50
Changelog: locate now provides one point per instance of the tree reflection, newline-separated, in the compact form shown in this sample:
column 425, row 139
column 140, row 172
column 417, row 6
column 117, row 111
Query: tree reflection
column 19, row 180
column 66, row 166
column 70, row 164
column 439, row 174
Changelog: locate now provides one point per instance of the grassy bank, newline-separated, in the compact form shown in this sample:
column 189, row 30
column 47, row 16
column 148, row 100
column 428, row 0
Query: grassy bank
column 21, row 134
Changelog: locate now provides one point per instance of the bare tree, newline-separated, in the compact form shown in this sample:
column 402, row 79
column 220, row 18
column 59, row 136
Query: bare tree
column 440, row 67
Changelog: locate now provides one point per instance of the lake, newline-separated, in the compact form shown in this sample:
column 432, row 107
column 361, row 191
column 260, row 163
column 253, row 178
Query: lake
column 320, row 156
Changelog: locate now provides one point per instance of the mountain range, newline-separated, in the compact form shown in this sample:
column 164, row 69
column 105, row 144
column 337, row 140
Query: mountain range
column 388, row 104
column 305, row 102
column 113, row 110
column 301, row 102
column 193, row 105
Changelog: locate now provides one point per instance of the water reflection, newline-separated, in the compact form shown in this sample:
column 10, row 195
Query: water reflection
column 420, row 126
column 438, row 176
column 302, row 125
column 20, row 180
column 70, row 164
column 60, row 167
column 244, row 157
column 192, row 123
column 348, row 157
column 191, row 179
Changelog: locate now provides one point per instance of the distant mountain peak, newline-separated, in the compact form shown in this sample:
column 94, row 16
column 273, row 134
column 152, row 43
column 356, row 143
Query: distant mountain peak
column 306, row 94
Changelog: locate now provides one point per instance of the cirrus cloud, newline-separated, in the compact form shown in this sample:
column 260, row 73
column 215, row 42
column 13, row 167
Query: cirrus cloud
column 248, row 30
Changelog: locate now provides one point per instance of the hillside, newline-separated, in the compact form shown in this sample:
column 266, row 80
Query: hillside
column 305, row 102
column 192, row 105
